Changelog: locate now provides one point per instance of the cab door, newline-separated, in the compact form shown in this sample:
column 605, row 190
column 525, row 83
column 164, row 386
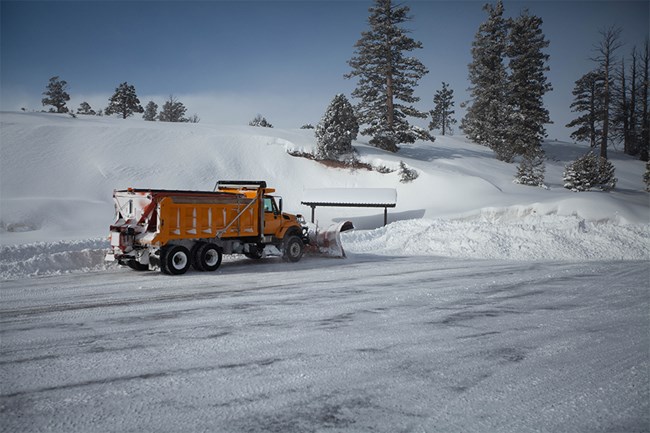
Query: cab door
column 272, row 216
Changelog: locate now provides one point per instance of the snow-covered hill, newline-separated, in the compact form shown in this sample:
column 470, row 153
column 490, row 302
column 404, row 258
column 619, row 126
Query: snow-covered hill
column 57, row 174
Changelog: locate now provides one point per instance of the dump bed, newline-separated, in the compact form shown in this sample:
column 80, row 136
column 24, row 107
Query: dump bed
column 159, row 216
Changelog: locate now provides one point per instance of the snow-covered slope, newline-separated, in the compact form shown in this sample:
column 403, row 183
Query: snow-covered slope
column 57, row 174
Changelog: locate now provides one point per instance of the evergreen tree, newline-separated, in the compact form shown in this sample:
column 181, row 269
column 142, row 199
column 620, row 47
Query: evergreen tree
column 260, row 121
column 56, row 95
column 407, row 174
column 588, row 101
column 337, row 129
column 387, row 78
column 150, row 111
column 84, row 108
column 487, row 113
column 172, row 111
column 589, row 171
column 124, row 101
column 527, row 84
column 531, row 169
column 441, row 115
column 646, row 176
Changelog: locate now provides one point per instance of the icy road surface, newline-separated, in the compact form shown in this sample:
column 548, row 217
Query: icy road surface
column 371, row 343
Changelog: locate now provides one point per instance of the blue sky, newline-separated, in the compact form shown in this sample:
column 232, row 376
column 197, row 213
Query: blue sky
column 229, row 60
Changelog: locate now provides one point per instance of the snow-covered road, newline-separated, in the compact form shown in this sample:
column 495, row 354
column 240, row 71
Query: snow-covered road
column 370, row 343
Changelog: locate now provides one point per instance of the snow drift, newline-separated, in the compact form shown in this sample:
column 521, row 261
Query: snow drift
column 57, row 174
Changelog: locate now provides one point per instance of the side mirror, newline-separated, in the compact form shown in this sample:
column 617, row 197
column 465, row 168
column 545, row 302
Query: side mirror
column 280, row 204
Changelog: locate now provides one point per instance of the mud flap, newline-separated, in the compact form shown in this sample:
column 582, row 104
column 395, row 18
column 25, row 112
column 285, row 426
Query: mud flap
column 328, row 242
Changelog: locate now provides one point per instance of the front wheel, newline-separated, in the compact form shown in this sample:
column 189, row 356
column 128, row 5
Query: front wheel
column 293, row 249
column 175, row 260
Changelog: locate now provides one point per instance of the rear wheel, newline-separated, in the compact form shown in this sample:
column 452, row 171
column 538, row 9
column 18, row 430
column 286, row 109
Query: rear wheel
column 194, row 254
column 175, row 260
column 293, row 249
column 208, row 257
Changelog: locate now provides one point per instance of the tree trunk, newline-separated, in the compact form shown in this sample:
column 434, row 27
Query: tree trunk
column 444, row 120
column 603, row 141
column 645, row 124
column 389, row 99
column 592, row 116
column 632, row 113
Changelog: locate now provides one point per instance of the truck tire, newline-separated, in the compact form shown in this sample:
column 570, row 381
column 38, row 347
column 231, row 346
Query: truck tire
column 293, row 249
column 208, row 257
column 174, row 260
column 194, row 255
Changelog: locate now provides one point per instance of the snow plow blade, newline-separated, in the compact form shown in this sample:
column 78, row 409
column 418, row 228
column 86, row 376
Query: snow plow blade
column 328, row 242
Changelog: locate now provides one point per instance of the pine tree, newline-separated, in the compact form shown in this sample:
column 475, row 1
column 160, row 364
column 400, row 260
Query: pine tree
column 407, row 174
column 527, row 84
column 260, row 121
column 531, row 169
column 56, row 95
column 589, row 171
column 172, row 111
column 150, row 111
column 588, row 100
column 387, row 78
column 646, row 176
column 337, row 129
column 124, row 101
column 487, row 113
column 441, row 115
column 84, row 108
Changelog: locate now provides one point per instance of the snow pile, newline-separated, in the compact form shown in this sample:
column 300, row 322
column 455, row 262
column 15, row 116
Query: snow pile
column 541, row 238
column 57, row 174
column 52, row 258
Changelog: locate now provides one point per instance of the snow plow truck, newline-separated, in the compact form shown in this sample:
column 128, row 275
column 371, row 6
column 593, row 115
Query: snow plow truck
column 172, row 230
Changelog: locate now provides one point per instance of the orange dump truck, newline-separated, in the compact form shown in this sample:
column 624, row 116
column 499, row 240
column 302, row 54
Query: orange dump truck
column 173, row 230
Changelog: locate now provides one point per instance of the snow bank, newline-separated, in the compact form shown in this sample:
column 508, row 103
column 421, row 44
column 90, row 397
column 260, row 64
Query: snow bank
column 533, row 238
column 52, row 258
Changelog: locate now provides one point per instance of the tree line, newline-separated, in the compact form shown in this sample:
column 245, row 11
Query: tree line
column 124, row 102
column 506, row 111
column 612, row 99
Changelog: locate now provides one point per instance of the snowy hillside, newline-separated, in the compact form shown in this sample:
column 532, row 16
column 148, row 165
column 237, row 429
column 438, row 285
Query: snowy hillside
column 57, row 174
column 414, row 331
